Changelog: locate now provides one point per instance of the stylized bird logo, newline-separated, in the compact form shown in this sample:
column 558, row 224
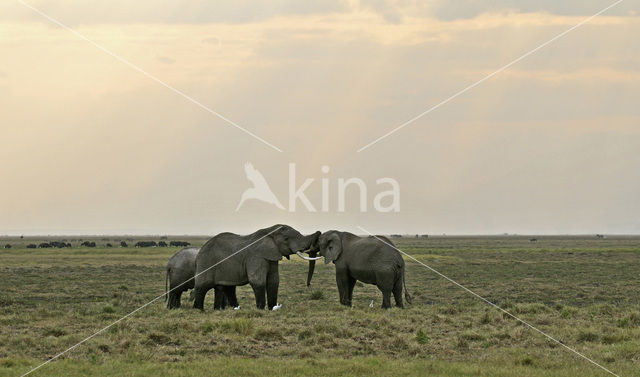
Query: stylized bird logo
column 260, row 189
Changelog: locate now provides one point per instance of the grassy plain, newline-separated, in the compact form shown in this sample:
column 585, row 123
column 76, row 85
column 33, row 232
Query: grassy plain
column 583, row 291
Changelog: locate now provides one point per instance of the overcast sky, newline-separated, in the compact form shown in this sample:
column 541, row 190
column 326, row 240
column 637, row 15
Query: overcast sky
column 90, row 145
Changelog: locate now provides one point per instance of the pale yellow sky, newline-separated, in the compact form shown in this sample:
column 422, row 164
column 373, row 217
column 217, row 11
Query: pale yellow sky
column 90, row 145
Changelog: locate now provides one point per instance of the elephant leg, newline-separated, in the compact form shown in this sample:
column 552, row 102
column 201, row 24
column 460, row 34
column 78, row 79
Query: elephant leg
column 273, row 281
column 230, row 293
column 385, row 281
column 198, row 297
column 352, row 283
column 257, row 273
column 386, row 298
column 177, row 297
column 225, row 298
column 342, row 279
column 218, row 300
column 259, row 291
column 397, row 292
column 171, row 300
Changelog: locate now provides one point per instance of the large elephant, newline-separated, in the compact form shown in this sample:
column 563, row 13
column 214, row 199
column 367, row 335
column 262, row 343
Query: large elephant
column 368, row 259
column 228, row 260
column 181, row 269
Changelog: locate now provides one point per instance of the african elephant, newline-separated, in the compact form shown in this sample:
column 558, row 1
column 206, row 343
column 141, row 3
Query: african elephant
column 228, row 260
column 179, row 278
column 181, row 270
column 372, row 260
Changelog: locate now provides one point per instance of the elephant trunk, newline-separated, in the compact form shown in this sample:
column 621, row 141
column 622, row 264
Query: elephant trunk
column 312, row 266
column 313, row 253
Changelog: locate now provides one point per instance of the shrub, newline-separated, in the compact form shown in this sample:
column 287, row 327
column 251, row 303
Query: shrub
column 527, row 360
column 422, row 337
column 631, row 320
column 623, row 322
column 317, row 295
column 92, row 357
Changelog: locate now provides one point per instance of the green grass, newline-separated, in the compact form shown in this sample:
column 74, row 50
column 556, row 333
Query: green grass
column 310, row 367
column 580, row 290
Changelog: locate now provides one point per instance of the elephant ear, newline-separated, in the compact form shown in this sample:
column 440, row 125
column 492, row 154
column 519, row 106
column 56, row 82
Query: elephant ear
column 269, row 250
column 334, row 248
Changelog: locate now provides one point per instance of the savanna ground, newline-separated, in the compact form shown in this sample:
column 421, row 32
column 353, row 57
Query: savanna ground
column 581, row 290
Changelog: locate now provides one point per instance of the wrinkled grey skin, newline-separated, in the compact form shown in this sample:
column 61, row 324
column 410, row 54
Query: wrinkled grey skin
column 256, row 264
column 362, row 258
column 180, row 270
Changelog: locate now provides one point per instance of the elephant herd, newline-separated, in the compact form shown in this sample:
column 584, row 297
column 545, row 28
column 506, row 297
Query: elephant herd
column 228, row 260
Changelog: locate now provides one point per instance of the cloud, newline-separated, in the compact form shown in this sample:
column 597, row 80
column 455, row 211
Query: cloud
column 78, row 12
column 466, row 9
column 119, row 151
column 213, row 40
column 589, row 76
column 165, row 59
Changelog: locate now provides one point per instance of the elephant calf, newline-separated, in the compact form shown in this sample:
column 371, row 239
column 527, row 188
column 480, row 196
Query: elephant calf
column 367, row 259
column 181, row 269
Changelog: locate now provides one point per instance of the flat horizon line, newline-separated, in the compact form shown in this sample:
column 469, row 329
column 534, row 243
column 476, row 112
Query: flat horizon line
column 408, row 235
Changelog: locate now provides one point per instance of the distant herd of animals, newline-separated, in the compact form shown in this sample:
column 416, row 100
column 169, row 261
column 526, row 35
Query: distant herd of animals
column 228, row 260
column 64, row 244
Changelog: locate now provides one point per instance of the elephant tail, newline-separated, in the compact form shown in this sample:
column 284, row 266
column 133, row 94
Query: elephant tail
column 404, row 283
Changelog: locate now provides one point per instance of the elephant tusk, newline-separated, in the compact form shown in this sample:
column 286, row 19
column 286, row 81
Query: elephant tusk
column 306, row 257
